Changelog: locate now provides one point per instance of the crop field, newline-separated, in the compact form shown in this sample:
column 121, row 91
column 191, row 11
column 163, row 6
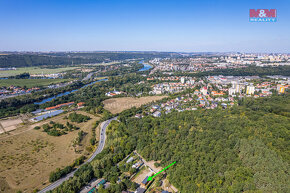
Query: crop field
column 29, row 83
column 34, row 70
column 27, row 156
column 117, row 105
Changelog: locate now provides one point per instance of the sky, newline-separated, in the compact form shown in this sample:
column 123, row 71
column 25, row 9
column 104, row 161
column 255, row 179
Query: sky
column 142, row 25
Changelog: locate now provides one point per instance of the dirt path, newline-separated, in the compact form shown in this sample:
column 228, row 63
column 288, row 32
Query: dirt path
column 149, row 163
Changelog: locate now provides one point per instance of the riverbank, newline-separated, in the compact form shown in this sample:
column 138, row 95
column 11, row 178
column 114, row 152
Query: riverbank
column 67, row 92
column 145, row 66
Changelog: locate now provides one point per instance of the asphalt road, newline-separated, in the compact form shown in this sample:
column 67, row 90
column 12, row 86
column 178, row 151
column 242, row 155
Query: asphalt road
column 57, row 183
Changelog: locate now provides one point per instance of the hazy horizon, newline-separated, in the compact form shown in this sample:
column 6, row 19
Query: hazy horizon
column 93, row 51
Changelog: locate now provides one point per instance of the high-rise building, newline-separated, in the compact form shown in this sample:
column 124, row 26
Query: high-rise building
column 250, row 90
column 191, row 81
column 182, row 80
column 235, row 88
column 232, row 91
column 280, row 88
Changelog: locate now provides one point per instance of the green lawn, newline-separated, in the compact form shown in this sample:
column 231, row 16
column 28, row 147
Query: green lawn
column 31, row 82
column 34, row 70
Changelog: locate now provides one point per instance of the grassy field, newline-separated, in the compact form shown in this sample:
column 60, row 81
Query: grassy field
column 30, row 155
column 102, row 64
column 117, row 105
column 34, row 70
column 31, row 82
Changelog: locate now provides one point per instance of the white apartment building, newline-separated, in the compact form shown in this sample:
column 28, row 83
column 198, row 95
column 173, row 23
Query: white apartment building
column 250, row 90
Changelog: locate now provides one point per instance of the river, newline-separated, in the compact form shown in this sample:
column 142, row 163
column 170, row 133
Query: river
column 145, row 66
column 66, row 93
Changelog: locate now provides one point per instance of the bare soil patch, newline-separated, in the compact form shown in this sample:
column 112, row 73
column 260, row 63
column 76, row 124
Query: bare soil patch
column 9, row 124
column 117, row 105
column 142, row 175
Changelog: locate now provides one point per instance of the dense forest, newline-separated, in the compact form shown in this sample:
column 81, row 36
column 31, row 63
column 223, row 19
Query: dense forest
column 122, row 70
column 66, row 58
column 241, row 149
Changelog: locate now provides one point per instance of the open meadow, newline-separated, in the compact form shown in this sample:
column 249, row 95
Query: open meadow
column 27, row 156
column 29, row 83
column 117, row 105
column 34, row 70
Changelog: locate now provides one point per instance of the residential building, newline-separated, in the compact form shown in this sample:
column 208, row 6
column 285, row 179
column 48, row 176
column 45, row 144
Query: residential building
column 215, row 93
column 203, row 90
column 137, row 165
column 130, row 159
column 80, row 104
column 156, row 114
column 280, row 88
column 59, row 106
column 182, row 80
column 140, row 190
column 235, row 88
column 250, row 90
column 144, row 182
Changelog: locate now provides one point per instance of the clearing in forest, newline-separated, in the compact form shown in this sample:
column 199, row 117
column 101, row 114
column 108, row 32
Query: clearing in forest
column 117, row 105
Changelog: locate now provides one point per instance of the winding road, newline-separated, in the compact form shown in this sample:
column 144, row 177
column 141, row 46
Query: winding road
column 57, row 183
